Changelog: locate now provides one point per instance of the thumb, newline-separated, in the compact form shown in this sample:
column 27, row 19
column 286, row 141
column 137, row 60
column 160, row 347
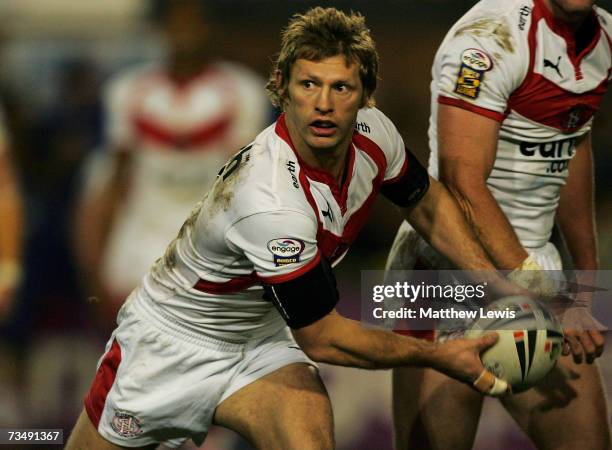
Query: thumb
column 486, row 341
column 489, row 384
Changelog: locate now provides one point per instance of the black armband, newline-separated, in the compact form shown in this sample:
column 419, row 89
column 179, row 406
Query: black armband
column 307, row 298
column 411, row 186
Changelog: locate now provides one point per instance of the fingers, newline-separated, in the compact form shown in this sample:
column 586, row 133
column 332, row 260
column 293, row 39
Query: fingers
column 588, row 346
column 599, row 342
column 486, row 341
column 489, row 384
column 572, row 346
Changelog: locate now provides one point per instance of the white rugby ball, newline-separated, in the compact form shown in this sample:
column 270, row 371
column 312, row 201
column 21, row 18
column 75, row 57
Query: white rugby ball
column 529, row 344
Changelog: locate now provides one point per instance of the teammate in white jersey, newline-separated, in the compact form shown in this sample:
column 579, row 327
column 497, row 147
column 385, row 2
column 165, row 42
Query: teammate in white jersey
column 515, row 86
column 169, row 127
column 10, row 227
column 205, row 337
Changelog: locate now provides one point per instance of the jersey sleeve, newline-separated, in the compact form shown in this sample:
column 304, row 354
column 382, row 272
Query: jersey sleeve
column 477, row 71
column 377, row 129
column 281, row 245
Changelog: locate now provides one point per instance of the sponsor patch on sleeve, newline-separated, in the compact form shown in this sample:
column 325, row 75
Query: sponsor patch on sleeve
column 474, row 64
column 286, row 250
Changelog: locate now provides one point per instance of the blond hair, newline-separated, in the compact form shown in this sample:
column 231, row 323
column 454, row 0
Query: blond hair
column 323, row 33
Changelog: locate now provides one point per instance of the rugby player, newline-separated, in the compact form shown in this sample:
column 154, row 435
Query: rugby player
column 169, row 127
column 515, row 87
column 226, row 326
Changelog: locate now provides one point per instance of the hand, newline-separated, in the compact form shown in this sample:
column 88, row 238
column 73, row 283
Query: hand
column 531, row 276
column 460, row 359
column 582, row 335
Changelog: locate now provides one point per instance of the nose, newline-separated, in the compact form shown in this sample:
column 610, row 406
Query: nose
column 324, row 104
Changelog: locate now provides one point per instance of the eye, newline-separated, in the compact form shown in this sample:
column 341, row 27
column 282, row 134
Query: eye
column 307, row 84
column 341, row 87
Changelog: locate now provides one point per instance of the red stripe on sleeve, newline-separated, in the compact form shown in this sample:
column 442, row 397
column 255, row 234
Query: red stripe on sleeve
column 275, row 279
column 499, row 117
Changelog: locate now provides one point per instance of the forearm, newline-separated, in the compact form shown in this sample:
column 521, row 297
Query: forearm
column 490, row 224
column 440, row 221
column 348, row 343
column 576, row 210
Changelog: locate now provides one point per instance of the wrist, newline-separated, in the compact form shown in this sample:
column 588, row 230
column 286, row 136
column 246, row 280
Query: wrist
column 426, row 354
column 531, row 276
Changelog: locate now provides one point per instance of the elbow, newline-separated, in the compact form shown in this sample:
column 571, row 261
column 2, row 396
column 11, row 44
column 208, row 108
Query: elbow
column 317, row 350
column 464, row 192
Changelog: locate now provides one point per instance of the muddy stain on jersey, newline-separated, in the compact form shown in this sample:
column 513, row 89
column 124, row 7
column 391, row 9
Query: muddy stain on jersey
column 490, row 27
column 169, row 258
column 232, row 175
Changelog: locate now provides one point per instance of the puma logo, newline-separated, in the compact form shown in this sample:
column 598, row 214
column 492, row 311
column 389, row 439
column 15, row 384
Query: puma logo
column 328, row 213
column 548, row 63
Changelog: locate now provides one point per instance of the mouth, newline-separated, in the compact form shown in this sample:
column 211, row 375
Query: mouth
column 323, row 128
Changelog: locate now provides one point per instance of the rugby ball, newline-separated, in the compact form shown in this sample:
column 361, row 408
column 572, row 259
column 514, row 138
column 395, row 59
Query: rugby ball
column 530, row 341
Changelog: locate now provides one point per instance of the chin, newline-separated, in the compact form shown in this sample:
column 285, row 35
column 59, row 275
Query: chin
column 322, row 143
column 575, row 6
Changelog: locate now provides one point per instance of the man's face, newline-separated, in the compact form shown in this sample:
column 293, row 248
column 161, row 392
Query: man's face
column 322, row 101
column 570, row 9
column 185, row 29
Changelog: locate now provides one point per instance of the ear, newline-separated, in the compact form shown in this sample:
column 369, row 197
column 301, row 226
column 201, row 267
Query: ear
column 278, row 77
column 282, row 91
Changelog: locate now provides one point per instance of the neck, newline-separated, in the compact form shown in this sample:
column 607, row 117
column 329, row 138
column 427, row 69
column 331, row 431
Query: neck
column 332, row 160
column 182, row 69
column 573, row 19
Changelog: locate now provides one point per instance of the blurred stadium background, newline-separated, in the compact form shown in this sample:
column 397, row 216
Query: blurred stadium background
column 54, row 57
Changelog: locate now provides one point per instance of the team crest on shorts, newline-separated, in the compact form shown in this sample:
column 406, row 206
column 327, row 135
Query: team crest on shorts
column 126, row 424
column 474, row 64
column 286, row 250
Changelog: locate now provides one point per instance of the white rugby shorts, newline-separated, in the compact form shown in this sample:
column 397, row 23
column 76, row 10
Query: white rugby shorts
column 160, row 383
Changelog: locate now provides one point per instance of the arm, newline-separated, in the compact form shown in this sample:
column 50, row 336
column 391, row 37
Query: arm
column 11, row 226
column 576, row 212
column 438, row 218
column 95, row 217
column 467, row 149
column 576, row 219
column 337, row 340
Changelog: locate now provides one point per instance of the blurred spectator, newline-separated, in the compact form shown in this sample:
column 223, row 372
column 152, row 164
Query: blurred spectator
column 169, row 128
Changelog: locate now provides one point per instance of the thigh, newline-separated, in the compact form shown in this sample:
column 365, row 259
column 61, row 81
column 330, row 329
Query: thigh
column 288, row 408
column 566, row 410
column 84, row 436
column 428, row 408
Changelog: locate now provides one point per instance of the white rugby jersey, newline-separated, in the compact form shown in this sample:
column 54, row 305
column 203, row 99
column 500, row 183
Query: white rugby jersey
column 269, row 218
column 179, row 134
column 511, row 61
